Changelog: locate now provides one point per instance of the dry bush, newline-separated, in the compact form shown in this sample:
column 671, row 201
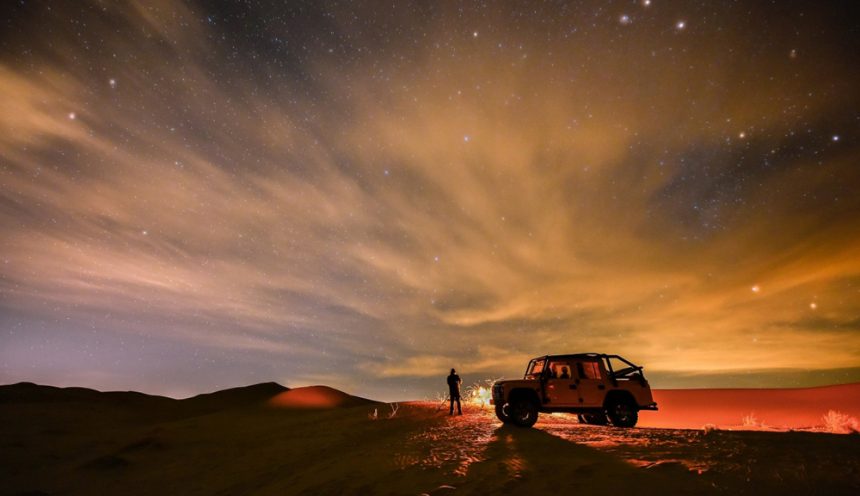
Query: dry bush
column 840, row 423
column 751, row 421
column 441, row 400
column 394, row 408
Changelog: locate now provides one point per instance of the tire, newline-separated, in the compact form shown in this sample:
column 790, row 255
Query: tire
column 523, row 413
column 622, row 412
column 503, row 414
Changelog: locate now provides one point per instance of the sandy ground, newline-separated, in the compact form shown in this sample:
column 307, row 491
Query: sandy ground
column 119, row 446
column 790, row 408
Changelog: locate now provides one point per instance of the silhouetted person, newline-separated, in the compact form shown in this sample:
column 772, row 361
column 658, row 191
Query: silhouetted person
column 454, row 382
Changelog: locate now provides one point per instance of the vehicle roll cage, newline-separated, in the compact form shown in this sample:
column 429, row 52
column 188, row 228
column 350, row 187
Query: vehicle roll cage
column 613, row 375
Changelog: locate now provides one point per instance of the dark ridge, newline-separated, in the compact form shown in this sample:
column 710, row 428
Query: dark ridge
column 27, row 392
column 234, row 397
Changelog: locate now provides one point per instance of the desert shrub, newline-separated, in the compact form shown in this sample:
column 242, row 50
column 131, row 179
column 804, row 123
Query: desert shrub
column 751, row 421
column 839, row 423
column 441, row 400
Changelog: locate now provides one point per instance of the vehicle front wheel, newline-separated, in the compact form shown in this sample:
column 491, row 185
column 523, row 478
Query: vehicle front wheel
column 622, row 413
column 524, row 413
column 502, row 411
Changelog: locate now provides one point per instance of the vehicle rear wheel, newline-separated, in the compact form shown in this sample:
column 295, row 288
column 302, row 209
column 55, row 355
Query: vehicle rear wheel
column 523, row 413
column 622, row 413
column 502, row 411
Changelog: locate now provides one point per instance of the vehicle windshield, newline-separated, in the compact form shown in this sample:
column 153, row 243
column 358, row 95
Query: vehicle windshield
column 535, row 368
column 622, row 368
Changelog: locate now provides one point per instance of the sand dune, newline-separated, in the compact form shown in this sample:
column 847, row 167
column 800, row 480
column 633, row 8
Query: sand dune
column 235, row 397
column 316, row 397
column 81, row 448
column 799, row 408
column 318, row 440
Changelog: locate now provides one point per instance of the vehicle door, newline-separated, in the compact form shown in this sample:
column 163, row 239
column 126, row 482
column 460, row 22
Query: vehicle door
column 591, row 383
column 561, row 384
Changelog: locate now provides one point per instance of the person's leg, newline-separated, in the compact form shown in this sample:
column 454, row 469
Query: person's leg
column 451, row 410
column 459, row 409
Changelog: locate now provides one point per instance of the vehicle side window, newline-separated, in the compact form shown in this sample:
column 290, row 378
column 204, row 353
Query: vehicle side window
column 559, row 370
column 588, row 370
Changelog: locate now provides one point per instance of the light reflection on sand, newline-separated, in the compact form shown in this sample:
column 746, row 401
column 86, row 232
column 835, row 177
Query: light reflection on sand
column 451, row 442
column 455, row 443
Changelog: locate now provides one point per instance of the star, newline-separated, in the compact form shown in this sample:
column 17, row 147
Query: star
column 835, row 137
column 813, row 305
column 112, row 83
column 680, row 25
column 646, row 3
column 624, row 19
column 742, row 135
column 467, row 138
column 73, row 116
column 474, row 34
column 755, row 289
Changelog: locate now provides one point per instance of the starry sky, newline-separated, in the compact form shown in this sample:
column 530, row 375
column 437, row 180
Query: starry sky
column 199, row 195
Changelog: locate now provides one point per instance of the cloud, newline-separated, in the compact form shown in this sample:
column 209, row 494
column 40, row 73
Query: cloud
column 391, row 208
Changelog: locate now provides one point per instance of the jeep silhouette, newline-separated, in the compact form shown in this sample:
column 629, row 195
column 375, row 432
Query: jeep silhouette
column 598, row 387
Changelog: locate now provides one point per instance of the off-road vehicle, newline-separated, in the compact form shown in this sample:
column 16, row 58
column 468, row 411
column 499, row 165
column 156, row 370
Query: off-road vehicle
column 596, row 386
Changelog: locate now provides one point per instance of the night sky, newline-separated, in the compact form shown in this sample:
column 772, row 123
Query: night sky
column 203, row 195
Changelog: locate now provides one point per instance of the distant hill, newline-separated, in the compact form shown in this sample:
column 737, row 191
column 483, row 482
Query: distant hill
column 27, row 392
column 316, row 397
column 256, row 394
column 269, row 394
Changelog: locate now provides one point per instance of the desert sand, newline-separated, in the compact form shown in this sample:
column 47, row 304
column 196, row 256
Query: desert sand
column 799, row 409
column 266, row 439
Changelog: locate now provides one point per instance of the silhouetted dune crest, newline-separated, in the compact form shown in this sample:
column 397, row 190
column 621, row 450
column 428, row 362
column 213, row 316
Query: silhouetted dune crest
column 263, row 394
column 255, row 394
column 317, row 397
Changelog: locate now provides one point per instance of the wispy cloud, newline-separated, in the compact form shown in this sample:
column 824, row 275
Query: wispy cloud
column 389, row 208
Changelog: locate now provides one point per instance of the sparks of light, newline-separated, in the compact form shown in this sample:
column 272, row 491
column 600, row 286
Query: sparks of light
column 480, row 393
